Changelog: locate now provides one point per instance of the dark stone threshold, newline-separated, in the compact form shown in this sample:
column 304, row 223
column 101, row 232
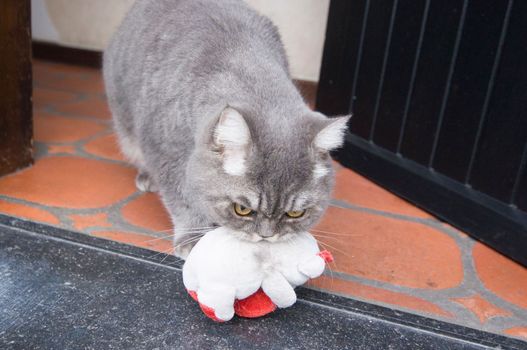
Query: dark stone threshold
column 62, row 289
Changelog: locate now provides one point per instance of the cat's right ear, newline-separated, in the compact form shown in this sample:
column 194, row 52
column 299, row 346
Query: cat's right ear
column 232, row 139
column 331, row 136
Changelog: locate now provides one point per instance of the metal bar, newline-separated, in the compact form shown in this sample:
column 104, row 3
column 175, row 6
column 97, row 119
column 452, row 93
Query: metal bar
column 383, row 70
column 359, row 54
column 521, row 170
column 448, row 83
column 490, row 88
column 412, row 79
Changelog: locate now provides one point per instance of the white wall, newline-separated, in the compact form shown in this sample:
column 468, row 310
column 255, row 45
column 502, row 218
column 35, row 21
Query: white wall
column 302, row 25
column 90, row 23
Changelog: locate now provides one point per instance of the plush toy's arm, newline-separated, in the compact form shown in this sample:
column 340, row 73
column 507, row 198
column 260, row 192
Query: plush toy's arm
column 220, row 299
column 314, row 266
column 279, row 290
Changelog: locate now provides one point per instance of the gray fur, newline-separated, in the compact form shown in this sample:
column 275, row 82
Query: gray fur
column 170, row 71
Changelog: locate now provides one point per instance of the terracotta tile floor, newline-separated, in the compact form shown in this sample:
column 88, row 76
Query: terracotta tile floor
column 387, row 251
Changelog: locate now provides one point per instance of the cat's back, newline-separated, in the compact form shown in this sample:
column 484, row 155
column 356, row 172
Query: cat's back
column 174, row 48
column 156, row 32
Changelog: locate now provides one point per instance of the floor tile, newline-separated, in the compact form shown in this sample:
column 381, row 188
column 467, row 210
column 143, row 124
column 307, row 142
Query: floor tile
column 76, row 84
column 89, row 107
column 47, row 97
column 501, row 275
column 28, row 212
column 520, row 332
column 481, row 307
column 54, row 128
column 379, row 295
column 62, row 69
column 61, row 149
column 83, row 221
column 105, row 146
column 355, row 189
column 147, row 212
column 71, row 182
column 162, row 246
column 44, row 74
column 389, row 250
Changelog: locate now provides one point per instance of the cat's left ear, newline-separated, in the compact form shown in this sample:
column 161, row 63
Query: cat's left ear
column 232, row 138
column 332, row 134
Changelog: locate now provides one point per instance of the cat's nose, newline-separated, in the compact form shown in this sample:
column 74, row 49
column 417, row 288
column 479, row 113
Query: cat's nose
column 266, row 234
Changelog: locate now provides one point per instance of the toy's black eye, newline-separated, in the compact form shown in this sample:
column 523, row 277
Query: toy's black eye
column 240, row 210
column 295, row 214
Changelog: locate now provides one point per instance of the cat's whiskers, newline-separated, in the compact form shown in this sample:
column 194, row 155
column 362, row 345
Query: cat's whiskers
column 174, row 234
column 165, row 252
column 171, row 250
column 181, row 244
column 158, row 238
column 335, row 248
column 189, row 240
column 171, row 253
column 326, row 237
column 337, row 233
column 188, row 229
column 329, row 265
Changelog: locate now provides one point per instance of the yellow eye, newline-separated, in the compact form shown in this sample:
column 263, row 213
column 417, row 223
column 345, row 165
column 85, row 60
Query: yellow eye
column 295, row 214
column 241, row 210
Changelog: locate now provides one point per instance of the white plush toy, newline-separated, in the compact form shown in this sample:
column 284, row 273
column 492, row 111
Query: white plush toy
column 227, row 275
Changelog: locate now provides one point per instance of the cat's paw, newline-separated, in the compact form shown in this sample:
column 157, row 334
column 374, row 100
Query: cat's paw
column 144, row 183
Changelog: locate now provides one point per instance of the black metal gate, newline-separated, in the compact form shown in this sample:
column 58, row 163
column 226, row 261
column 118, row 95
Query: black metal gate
column 438, row 90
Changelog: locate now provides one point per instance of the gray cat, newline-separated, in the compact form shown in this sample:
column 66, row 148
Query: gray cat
column 204, row 107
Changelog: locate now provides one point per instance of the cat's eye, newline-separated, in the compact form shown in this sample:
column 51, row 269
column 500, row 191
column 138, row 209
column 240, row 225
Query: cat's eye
column 241, row 210
column 295, row 214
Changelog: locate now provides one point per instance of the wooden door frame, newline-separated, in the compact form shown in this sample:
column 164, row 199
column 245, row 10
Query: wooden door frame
column 16, row 120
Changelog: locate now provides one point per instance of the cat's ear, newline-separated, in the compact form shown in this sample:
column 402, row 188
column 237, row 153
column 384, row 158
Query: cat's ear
column 332, row 134
column 232, row 138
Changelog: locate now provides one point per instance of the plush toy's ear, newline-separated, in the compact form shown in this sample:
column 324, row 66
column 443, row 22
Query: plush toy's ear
column 332, row 135
column 232, row 138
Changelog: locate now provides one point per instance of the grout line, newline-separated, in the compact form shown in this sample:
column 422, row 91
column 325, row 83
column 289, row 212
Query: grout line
column 345, row 205
column 101, row 121
column 63, row 214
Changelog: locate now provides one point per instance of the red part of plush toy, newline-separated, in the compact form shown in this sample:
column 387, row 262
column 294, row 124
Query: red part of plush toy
column 256, row 305
column 208, row 311
column 326, row 255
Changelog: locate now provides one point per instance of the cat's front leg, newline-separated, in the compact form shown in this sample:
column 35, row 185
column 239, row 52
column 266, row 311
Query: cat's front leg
column 145, row 183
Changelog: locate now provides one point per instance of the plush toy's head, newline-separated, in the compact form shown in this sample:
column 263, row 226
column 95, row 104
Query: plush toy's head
column 227, row 275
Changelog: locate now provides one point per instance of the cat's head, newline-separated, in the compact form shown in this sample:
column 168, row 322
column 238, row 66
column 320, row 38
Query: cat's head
column 265, row 181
